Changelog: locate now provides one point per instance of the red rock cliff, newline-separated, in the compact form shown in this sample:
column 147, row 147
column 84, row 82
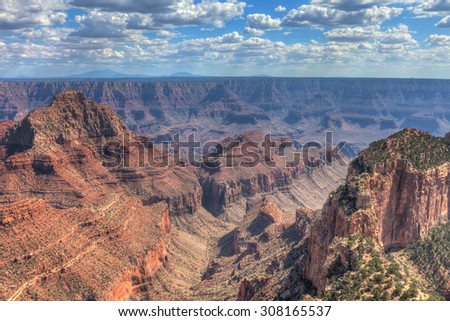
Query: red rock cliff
column 393, row 197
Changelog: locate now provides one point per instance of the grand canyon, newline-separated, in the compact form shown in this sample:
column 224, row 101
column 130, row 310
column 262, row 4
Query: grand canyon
column 369, row 221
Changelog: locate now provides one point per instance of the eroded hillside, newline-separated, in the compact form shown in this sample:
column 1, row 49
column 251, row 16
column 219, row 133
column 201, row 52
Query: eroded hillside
column 75, row 228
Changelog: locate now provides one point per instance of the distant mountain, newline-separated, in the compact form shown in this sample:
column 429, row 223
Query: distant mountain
column 184, row 75
column 107, row 74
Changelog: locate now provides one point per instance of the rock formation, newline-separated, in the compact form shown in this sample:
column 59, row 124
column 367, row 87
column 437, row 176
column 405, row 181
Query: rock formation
column 77, row 226
column 396, row 191
column 68, row 219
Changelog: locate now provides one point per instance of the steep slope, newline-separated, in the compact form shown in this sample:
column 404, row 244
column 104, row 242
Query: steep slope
column 72, row 227
column 243, row 169
column 432, row 256
column 396, row 192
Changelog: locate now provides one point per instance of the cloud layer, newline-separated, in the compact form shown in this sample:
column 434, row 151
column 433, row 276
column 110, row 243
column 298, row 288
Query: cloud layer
column 224, row 37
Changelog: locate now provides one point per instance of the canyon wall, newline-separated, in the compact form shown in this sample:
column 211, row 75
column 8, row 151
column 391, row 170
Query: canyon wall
column 395, row 199
column 358, row 110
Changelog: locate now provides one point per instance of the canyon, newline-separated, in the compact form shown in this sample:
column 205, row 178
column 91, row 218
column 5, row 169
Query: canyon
column 76, row 226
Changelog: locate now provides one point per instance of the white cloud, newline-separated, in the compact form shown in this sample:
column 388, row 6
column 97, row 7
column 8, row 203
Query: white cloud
column 18, row 14
column 313, row 15
column 167, row 34
column 258, row 23
column 357, row 34
column 253, row 31
column 432, row 8
column 438, row 40
column 397, row 36
column 142, row 6
column 46, row 34
column 280, row 9
column 102, row 25
column 161, row 14
column 444, row 23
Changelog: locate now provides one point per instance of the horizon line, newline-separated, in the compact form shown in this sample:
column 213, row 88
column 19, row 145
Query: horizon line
column 23, row 79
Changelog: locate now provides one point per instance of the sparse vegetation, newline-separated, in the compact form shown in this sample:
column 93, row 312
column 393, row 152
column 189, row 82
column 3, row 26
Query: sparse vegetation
column 346, row 200
column 370, row 275
column 419, row 149
column 432, row 255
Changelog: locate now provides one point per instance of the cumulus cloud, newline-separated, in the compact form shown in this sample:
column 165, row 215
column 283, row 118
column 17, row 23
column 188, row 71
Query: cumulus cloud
column 313, row 15
column 357, row 34
column 163, row 14
column 204, row 13
column 258, row 23
column 106, row 23
column 167, row 33
column 396, row 35
column 46, row 34
column 280, row 9
column 432, row 8
column 18, row 14
column 255, row 32
column 396, row 40
column 102, row 25
column 435, row 8
column 142, row 6
column 438, row 40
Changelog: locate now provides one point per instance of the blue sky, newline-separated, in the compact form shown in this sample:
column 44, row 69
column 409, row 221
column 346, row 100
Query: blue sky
column 335, row 38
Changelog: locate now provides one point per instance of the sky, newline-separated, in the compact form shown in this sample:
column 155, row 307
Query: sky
column 335, row 38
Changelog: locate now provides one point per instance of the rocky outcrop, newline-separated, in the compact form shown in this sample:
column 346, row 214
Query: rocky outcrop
column 248, row 288
column 69, row 117
column 246, row 291
column 65, row 144
column 393, row 194
column 268, row 214
column 67, row 218
column 4, row 126
column 303, row 220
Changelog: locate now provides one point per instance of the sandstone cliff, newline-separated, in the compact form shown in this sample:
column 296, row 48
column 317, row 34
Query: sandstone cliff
column 395, row 193
column 72, row 227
